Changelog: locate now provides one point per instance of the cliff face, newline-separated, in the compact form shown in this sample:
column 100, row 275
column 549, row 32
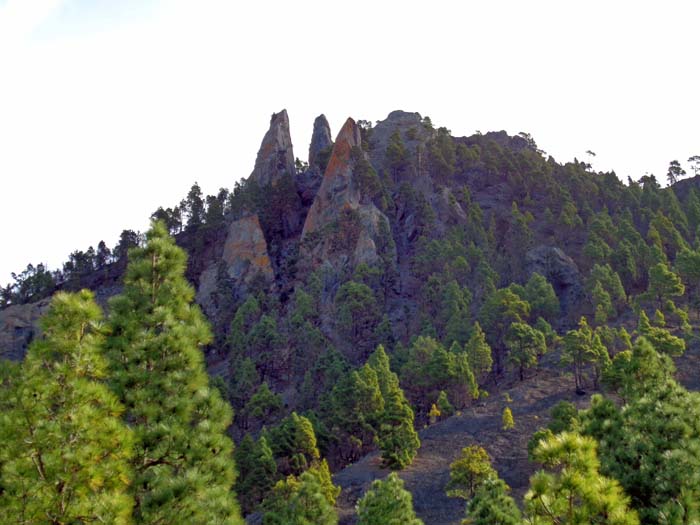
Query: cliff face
column 276, row 155
column 339, row 190
column 321, row 140
column 244, row 259
column 344, row 228
column 18, row 327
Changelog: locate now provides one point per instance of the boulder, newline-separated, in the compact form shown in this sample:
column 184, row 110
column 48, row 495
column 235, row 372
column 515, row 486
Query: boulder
column 561, row 271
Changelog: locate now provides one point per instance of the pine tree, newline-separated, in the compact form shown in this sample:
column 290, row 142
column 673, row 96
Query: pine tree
column 433, row 414
column 507, row 421
column 491, row 505
column 500, row 310
column 244, row 383
column 302, row 501
column 257, row 471
column 582, row 347
column 602, row 303
column 525, row 344
column 650, row 446
column 65, row 453
column 468, row 471
column 293, row 443
column 661, row 339
column 398, row 440
column 379, row 361
column 262, row 404
column 663, row 284
column 479, row 353
column 387, row 502
column 574, row 492
column 540, row 294
column 444, row 405
column 183, row 467
column 354, row 410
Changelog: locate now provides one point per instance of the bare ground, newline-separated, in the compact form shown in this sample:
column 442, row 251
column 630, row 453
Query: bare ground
column 480, row 424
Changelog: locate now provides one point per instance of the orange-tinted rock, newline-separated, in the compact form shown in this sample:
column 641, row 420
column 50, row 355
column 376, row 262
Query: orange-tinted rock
column 275, row 156
column 245, row 250
column 244, row 257
column 341, row 228
column 338, row 188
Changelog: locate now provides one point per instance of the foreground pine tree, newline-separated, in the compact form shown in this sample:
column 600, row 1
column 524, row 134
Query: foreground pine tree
column 65, row 453
column 572, row 490
column 183, row 466
column 387, row 503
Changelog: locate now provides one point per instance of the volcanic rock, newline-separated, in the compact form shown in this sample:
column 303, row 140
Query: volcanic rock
column 276, row 156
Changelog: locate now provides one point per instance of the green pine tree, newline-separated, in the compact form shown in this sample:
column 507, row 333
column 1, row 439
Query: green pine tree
column 479, row 353
column 257, row 470
column 387, row 502
column 293, row 443
column 525, row 344
column 574, row 492
column 468, row 471
column 491, row 505
column 65, row 455
column 444, row 405
column 183, row 466
column 507, row 421
column 398, row 440
column 301, row 501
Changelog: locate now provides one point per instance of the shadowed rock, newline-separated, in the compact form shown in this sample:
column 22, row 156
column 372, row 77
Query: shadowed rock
column 18, row 327
column 561, row 271
column 321, row 139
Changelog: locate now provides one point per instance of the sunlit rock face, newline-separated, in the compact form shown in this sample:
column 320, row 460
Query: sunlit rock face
column 276, row 155
column 343, row 227
column 245, row 257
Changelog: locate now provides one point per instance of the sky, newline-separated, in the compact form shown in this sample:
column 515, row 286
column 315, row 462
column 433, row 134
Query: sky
column 109, row 109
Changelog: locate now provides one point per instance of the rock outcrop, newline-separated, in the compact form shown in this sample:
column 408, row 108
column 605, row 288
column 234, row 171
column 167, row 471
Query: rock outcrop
column 245, row 257
column 343, row 227
column 309, row 180
column 18, row 327
column 275, row 174
column 276, row 156
column 413, row 134
column 321, row 139
column 245, row 250
column 338, row 190
column 561, row 271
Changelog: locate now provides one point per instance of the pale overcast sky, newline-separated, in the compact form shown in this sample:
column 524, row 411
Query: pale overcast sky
column 110, row 108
